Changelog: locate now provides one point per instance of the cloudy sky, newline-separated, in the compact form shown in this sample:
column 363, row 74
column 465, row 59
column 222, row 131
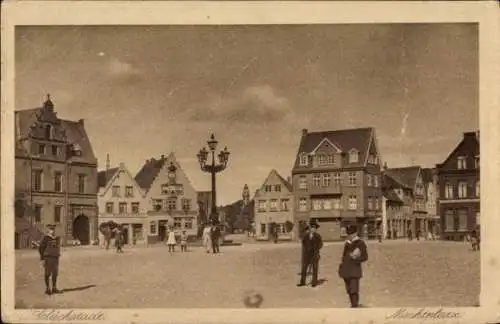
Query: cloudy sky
column 146, row 91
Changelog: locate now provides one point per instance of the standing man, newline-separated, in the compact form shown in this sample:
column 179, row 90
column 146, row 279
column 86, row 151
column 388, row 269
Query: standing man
column 354, row 254
column 215, row 236
column 50, row 251
column 311, row 245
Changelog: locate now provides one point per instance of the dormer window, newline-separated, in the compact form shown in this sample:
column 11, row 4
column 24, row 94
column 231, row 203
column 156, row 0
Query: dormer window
column 77, row 150
column 303, row 159
column 353, row 156
column 48, row 132
column 461, row 163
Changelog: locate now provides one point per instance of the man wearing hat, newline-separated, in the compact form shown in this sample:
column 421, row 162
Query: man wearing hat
column 354, row 254
column 50, row 250
column 311, row 245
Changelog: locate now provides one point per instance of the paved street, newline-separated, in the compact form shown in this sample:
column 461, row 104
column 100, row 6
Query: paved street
column 398, row 274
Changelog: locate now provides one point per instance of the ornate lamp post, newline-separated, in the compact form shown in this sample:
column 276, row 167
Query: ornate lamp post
column 213, row 168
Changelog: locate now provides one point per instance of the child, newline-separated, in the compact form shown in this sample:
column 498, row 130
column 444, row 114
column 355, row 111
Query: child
column 171, row 241
column 184, row 238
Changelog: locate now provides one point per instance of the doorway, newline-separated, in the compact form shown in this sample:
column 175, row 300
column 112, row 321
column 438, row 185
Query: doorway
column 125, row 234
column 81, row 229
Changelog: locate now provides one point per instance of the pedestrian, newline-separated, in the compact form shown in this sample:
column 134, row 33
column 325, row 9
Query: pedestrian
column 410, row 235
column 429, row 236
column 118, row 240
column 50, row 251
column 417, row 234
column 311, row 246
column 379, row 234
column 350, row 269
column 184, row 238
column 474, row 240
column 207, row 241
column 171, row 242
column 214, row 237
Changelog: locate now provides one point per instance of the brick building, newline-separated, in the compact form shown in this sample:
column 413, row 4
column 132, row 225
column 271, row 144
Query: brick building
column 336, row 181
column 56, row 177
column 459, row 189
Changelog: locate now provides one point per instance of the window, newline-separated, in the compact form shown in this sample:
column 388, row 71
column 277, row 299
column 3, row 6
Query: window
column 331, row 159
column 172, row 204
column 375, row 181
column 284, row 204
column 462, row 220
column 273, row 204
column 81, row 183
column 302, row 182
column 370, row 203
column 448, row 193
column 478, row 219
column 449, row 221
column 462, row 162
column 157, row 204
column 328, row 204
column 277, row 188
column 41, row 149
column 336, row 178
column 109, row 208
column 38, row 213
column 336, row 203
column 115, row 191
column 36, row 180
column 58, row 182
column 55, row 150
column 262, row 228
column 303, row 159
column 369, row 180
column 186, row 204
column 316, row 180
column 303, row 204
column 462, row 189
column 353, row 156
column 122, row 208
column 476, row 162
column 322, row 159
column 261, row 206
column 317, row 204
column 152, row 228
column 177, row 222
column 478, row 188
column 164, row 189
column 268, row 188
column 129, row 191
column 188, row 224
column 326, row 180
column 135, row 208
column 57, row 213
column 377, row 203
column 352, row 178
column 353, row 202
column 48, row 132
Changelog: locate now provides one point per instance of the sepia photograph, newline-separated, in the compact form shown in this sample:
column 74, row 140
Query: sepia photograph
column 243, row 166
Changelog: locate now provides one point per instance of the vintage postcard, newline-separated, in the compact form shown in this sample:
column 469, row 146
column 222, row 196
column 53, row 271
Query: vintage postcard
column 267, row 162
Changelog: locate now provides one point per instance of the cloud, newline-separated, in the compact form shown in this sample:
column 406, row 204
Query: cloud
column 254, row 104
column 122, row 71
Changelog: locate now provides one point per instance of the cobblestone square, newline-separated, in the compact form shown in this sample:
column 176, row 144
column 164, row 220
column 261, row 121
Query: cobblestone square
column 398, row 273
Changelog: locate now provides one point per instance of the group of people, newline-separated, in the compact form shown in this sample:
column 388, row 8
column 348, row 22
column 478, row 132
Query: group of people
column 350, row 270
column 172, row 240
column 211, row 238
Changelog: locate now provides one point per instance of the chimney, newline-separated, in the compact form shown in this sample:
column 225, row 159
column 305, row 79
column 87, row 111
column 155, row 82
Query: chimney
column 163, row 157
column 385, row 166
column 304, row 131
column 81, row 122
column 107, row 162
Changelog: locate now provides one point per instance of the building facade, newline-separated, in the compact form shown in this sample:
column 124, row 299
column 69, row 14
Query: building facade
column 336, row 181
column 56, row 177
column 121, row 200
column 409, row 186
column 392, row 213
column 273, row 204
column 430, row 178
column 171, row 200
column 459, row 189
column 204, row 206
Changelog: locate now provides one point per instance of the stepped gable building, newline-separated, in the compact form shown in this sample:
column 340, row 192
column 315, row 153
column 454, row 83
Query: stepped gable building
column 171, row 200
column 336, row 181
column 122, row 200
column 56, row 177
column 411, row 187
column 274, row 204
column 459, row 189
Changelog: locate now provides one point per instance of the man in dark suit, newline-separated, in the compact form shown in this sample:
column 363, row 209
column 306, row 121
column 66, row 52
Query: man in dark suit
column 215, row 235
column 50, row 250
column 311, row 245
column 354, row 254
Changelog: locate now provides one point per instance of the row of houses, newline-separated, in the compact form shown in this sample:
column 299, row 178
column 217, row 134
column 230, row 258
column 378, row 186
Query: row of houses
column 337, row 179
column 57, row 182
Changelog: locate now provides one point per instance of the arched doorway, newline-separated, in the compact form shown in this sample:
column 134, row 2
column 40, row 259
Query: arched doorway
column 81, row 229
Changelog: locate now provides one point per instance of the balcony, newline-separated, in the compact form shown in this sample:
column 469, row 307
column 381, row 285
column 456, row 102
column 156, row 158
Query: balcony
column 334, row 213
column 333, row 189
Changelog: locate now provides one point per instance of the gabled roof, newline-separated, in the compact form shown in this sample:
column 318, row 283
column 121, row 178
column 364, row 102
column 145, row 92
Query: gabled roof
column 427, row 175
column 287, row 184
column 469, row 142
column 147, row 174
column 103, row 177
column 76, row 134
column 391, row 195
column 406, row 176
column 325, row 139
column 346, row 139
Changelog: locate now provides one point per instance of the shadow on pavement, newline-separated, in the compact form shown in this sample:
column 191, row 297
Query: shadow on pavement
column 78, row 288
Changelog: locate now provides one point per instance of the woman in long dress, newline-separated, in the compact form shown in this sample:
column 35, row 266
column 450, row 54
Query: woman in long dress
column 207, row 240
column 171, row 242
